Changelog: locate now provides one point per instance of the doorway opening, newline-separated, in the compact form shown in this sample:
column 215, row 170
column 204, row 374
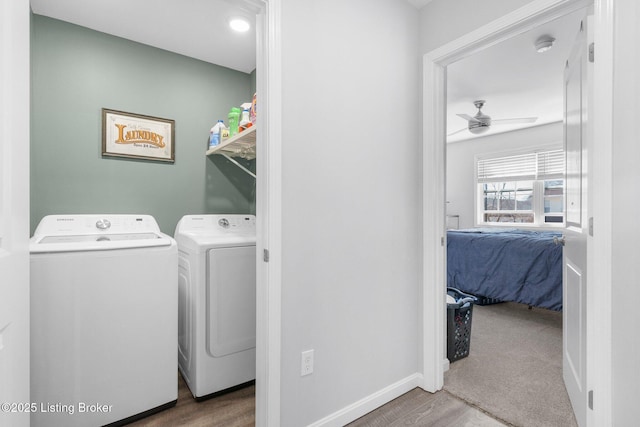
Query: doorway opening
column 436, row 182
column 503, row 195
column 504, row 206
column 266, row 22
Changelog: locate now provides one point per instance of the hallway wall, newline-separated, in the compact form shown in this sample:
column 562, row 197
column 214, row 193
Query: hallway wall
column 350, row 203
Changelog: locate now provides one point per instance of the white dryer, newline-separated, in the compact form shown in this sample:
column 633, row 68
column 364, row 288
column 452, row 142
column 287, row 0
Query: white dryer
column 104, row 320
column 217, row 302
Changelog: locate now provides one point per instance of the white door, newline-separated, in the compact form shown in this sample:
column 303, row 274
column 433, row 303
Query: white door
column 14, row 212
column 575, row 250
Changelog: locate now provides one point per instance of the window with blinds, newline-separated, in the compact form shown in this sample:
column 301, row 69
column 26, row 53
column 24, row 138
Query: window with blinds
column 541, row 165
column 524, row 188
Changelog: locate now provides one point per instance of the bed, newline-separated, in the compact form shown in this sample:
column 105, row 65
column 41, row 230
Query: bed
column 506, row 265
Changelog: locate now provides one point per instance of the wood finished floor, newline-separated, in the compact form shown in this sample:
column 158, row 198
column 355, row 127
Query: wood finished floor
column 237, row 409
column 450, row 407
column 420, row 408
column 234, row 409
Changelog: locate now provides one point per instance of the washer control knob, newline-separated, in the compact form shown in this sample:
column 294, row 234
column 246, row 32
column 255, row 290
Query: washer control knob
column 103, row 224
column 223, row 222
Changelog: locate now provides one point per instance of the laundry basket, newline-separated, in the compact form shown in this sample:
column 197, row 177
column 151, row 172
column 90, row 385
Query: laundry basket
column 459, row 315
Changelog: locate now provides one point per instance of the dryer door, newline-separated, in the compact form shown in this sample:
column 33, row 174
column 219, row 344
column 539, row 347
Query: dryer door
column 231, row 300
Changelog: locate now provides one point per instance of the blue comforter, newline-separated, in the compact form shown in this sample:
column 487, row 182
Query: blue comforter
column 510, row 265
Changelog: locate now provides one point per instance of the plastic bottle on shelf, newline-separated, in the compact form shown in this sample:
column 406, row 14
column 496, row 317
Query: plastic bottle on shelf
column 214, row 134
column 252, row 110
column 234, row 120
column 245, row 121
column 224, row 133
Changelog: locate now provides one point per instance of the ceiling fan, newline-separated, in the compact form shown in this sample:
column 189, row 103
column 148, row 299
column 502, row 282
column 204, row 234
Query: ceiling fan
column 481, row 122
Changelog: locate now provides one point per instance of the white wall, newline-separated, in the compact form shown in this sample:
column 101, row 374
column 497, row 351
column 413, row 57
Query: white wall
column 442, row 21
column 625, row 230
column 461, row 158
column 350, row 202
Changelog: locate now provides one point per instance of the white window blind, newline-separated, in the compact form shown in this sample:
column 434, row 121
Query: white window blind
column 551, row 164
column 541, row 165
column 522, row 167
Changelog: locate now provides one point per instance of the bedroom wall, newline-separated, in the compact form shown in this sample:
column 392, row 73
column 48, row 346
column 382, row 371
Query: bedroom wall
column 461, row 158
column 351, row 205
column 75, row 73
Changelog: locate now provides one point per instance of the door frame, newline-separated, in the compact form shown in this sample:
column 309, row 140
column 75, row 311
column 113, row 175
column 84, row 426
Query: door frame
column 268, row 211
column 268, row 208
column 433, row 347
column 14, row 207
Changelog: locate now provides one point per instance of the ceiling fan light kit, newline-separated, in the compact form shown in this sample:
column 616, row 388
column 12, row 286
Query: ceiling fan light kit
column 481, row 122
column 478, row 128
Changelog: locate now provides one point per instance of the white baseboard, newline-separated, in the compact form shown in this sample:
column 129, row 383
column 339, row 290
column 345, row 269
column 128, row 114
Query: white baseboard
column 369, row 403
column 445, row 365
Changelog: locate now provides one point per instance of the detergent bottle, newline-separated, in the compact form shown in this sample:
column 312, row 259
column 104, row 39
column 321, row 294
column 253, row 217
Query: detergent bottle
column 214, row 134
column 234, row 120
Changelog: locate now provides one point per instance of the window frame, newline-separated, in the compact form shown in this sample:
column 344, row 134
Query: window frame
column 537, row 190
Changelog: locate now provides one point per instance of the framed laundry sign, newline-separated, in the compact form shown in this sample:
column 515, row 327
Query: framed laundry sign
column 137, row 136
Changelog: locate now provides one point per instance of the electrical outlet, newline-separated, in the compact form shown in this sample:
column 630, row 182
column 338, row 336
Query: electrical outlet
column 306, row 363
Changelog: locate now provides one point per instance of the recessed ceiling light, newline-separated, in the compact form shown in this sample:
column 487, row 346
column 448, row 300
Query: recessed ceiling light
column 239, row 24
column 544, row 43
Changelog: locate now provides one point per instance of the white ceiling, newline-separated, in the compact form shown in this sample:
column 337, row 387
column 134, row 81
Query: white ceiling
column 513, row 78
column 195, row 28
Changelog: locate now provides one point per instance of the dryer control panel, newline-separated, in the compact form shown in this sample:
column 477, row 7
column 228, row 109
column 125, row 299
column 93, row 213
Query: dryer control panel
column 218, row 224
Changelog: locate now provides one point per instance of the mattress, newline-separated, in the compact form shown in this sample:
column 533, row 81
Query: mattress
column 517, row 265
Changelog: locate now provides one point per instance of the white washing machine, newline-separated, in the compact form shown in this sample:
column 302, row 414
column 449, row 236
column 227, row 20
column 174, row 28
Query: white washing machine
column 217, row 307
column 104, row 320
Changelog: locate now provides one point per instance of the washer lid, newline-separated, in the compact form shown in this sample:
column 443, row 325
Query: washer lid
column 98, row 242
column 71, row 233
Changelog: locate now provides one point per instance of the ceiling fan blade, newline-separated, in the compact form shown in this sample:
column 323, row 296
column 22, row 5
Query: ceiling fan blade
column 514, row 121
column 468, row 118
column 456, row 132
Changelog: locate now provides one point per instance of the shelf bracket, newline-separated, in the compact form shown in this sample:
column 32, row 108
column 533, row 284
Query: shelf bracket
column 235, row 162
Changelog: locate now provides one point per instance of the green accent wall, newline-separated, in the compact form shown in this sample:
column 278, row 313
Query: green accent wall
column 75, row 73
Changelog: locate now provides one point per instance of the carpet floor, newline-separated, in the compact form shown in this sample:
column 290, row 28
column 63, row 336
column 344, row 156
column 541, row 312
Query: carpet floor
column 514, row 367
